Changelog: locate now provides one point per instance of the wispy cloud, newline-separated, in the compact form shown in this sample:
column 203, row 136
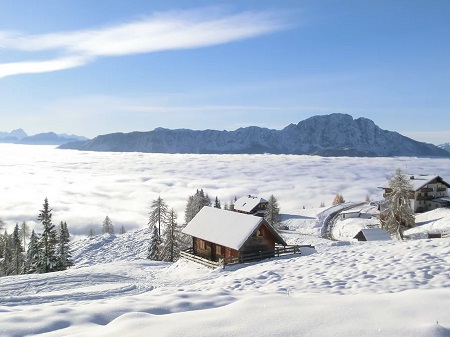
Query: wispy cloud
column 161, row 31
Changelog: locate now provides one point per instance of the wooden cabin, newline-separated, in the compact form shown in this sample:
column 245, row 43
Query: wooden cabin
column 220, row 235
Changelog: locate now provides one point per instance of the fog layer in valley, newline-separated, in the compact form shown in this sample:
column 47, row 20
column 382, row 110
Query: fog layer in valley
column 84, row 187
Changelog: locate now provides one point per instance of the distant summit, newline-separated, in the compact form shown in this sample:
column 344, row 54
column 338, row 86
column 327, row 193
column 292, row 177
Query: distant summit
column 50, row 138
column 329, row 135
column 445, row 147
column 13, row 136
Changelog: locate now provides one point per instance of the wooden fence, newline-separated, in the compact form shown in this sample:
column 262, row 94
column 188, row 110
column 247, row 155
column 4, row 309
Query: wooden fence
column 244, row 257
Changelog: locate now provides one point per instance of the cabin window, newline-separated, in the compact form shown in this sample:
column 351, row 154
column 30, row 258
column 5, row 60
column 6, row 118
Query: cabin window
column 218, row 250
column 201, row 244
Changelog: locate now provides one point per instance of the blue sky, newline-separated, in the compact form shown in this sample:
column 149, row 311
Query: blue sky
column 95, row 67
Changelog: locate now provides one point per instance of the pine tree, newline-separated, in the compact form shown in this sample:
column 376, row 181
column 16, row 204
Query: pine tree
column 91, row 232
column 398, row 213
column 158, row 213
column 338, row 199
column 17, row 257
column 272, row 214
column 153, row 252
column 7, row 263
column 322, row 204
column 32, row 257
column 64, row 254
column 24, row 232
column 107, row 226
column 217, row 203
column 171, row 239
column 122, row 230
column 195, row 203
column 47, row 241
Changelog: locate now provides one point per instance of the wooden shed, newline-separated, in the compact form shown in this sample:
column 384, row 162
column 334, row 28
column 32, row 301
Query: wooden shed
column 220, row 235
column 372, row 234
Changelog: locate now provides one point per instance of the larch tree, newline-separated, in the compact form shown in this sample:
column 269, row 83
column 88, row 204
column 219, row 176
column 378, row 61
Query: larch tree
column 272, row 214
column 47, row 241
column 107, row 226
column 171, row 239
column 24, row 232
column 338, row 199
column 158, row 214
column 398, row 214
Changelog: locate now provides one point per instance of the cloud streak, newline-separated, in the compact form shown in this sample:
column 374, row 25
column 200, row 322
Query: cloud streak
column 159, row 32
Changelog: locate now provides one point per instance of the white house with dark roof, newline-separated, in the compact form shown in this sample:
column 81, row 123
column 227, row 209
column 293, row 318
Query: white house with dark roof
column 428, row 192
column 250, row 204
column 220, row 234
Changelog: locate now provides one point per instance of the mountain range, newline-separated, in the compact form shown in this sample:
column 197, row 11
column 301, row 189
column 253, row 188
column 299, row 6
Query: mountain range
column 327, row 135
column 49, row 138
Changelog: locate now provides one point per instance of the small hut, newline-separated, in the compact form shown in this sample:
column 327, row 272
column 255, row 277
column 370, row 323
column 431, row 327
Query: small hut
column 372, row 234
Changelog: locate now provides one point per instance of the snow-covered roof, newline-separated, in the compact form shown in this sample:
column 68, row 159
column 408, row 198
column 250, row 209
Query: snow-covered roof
column 227, row 228
column 375, row 234
column 418, row 181
column 352, row 211
column 247, row 203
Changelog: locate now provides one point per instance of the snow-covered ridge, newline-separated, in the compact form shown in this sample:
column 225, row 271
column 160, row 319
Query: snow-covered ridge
column 329, row 135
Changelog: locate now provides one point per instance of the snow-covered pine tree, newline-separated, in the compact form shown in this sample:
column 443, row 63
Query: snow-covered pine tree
column 153, row 252
column 7, row 262
column 195, row 203
column 158, row 213
column 398, row 213
column 107, row 226
column 122, row 230
column 47, row 243
column 32, row 257
column 272, row 214
column 91, row 232
column 64, row 254
column 24, row 232
column 171, row 239
column 17, row 249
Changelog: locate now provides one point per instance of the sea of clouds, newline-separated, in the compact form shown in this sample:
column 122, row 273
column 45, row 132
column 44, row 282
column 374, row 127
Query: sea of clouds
column 84, row 187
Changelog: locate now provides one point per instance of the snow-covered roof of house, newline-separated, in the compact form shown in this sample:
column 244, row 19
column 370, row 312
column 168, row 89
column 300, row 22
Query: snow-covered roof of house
column 352, row 211
column 375, row 234
column 226, row 228
column 247, row 203
column 419, row 181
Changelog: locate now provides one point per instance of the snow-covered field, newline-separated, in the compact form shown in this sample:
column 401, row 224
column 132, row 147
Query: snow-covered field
column 340, row 288
column 337, row 289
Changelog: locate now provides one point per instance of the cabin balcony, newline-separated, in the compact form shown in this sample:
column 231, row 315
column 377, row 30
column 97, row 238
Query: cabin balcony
column 442, row 189
column 425, row 190
column 425, row 197
column 243, row 257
